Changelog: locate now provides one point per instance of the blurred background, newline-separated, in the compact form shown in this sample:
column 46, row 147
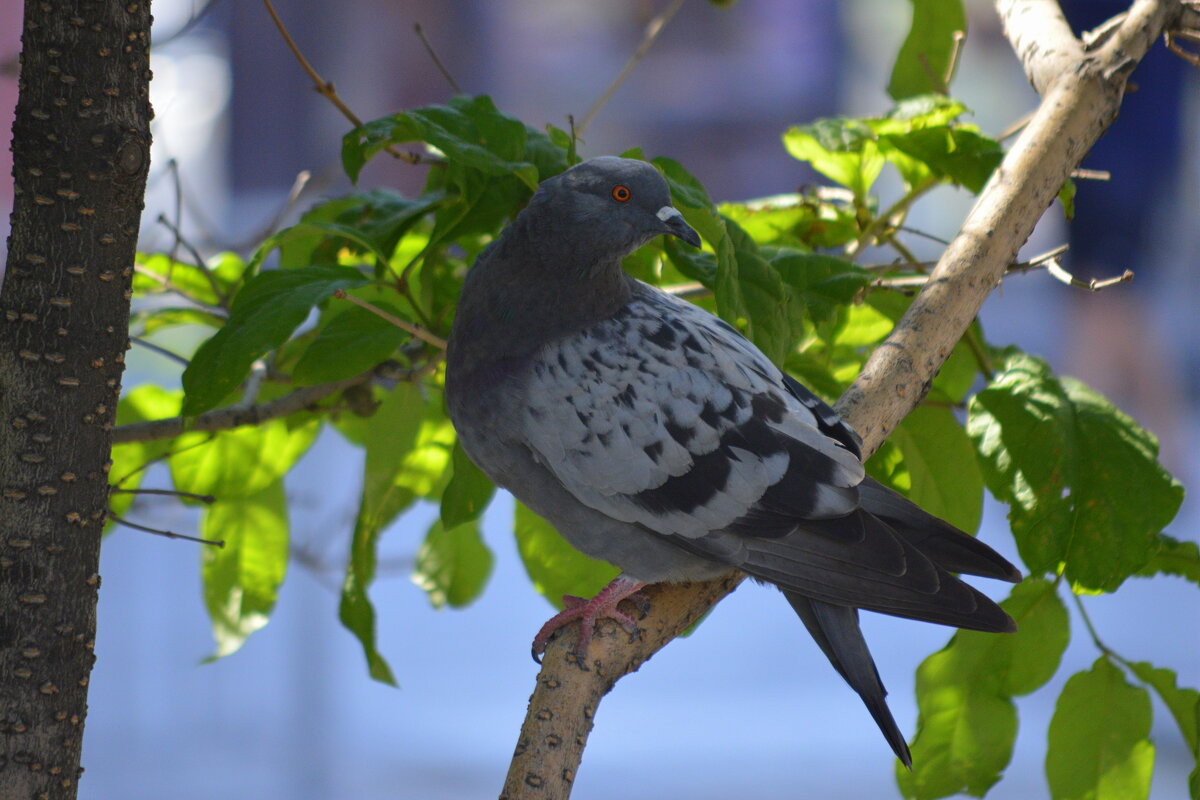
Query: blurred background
column 747, row 706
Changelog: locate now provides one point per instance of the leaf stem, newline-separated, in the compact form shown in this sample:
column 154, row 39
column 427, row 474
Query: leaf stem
column 404, row 325
column 1096, row 640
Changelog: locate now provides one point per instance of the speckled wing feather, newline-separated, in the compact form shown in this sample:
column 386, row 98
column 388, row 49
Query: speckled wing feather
column 663, row 415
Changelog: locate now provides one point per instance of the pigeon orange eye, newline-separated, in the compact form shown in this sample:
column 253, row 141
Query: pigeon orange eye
column 621, row 193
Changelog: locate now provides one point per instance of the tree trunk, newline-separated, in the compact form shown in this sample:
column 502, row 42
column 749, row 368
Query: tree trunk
column 81, row 148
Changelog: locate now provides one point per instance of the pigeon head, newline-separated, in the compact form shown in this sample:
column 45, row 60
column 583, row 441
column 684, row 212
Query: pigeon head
column 611, row 205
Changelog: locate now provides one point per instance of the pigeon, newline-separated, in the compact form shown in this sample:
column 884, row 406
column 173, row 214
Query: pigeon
column 653, row 435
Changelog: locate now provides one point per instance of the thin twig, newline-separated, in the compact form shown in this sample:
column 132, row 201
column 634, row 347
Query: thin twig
column 1091, row 174
column 403, row 325
column 651, row 35
column 162, row 351
column 327, row 90
column 198, row 260
column 1016, row 127
column 160, row 457
column 173, row 171
column 1174, row 46
column 167, row 534
column 975, row 344
column 298, row 185
column 917, row 281
column 437, row 62
column 956, row 44
column 169, row 285
column 898, row 246
column 203, row 498
column 923, row 234
column 898, row 210
column 235, row 416
column 573, row 147
column 253, row 384
column 1092, row 285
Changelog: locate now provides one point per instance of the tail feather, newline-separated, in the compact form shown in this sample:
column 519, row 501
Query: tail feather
column 835, row 630
column 944, row 544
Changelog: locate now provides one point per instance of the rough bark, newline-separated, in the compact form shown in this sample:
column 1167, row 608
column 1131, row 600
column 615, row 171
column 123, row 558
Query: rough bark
column 1081, row 96
column 81, row 149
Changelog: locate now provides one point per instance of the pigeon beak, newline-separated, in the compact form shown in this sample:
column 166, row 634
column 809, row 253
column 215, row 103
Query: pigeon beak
column 673, row 224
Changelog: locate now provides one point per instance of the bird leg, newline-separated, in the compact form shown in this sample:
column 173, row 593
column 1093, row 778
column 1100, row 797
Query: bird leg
column 603, row 605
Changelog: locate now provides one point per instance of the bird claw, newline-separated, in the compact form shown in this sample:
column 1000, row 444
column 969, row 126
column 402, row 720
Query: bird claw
column 589, row 612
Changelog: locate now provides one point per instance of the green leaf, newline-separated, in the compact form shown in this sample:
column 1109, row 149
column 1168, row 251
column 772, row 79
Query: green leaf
column 555, row 567
column 242, row 579
column 772, row 220
column 761, row 297
column 468, row 492
column 453, row 564
column 968, row 723
column 269, row 307
column 943, row 475
column 925, row 55
column 814, row 372
column 691, row 198
column 1098, row 746
column 371, row 222
column 864, row 325
column 351, row 343
column 1183, row 703
column 551, row 151
column 469, row 131
column 748, row 290
column 959, row 153
column 820, row 283
column 805, row 221
column 240, row 462
column 1085, row 490
column 843, row 150
column 1174, row 557
column 695, row 264
column 408, row 443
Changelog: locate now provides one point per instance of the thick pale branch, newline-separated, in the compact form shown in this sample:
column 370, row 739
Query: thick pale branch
column 1082, row 96
column 1041, row 38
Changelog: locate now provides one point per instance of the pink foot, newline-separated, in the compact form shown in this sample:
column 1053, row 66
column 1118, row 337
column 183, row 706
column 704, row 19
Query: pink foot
column 603, row 605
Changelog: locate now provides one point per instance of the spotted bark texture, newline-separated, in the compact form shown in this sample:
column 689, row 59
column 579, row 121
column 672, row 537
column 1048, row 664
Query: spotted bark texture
column 81, row 148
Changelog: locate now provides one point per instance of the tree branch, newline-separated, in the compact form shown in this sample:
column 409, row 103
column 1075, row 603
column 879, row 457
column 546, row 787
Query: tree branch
column 1041, row 38
column 1081, row 96
column 234, row 416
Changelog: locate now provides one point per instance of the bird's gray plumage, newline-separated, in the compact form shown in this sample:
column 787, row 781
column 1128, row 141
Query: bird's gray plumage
column 654, row 436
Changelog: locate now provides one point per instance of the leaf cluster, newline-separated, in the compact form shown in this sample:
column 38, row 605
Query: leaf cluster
column 1087, row 497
